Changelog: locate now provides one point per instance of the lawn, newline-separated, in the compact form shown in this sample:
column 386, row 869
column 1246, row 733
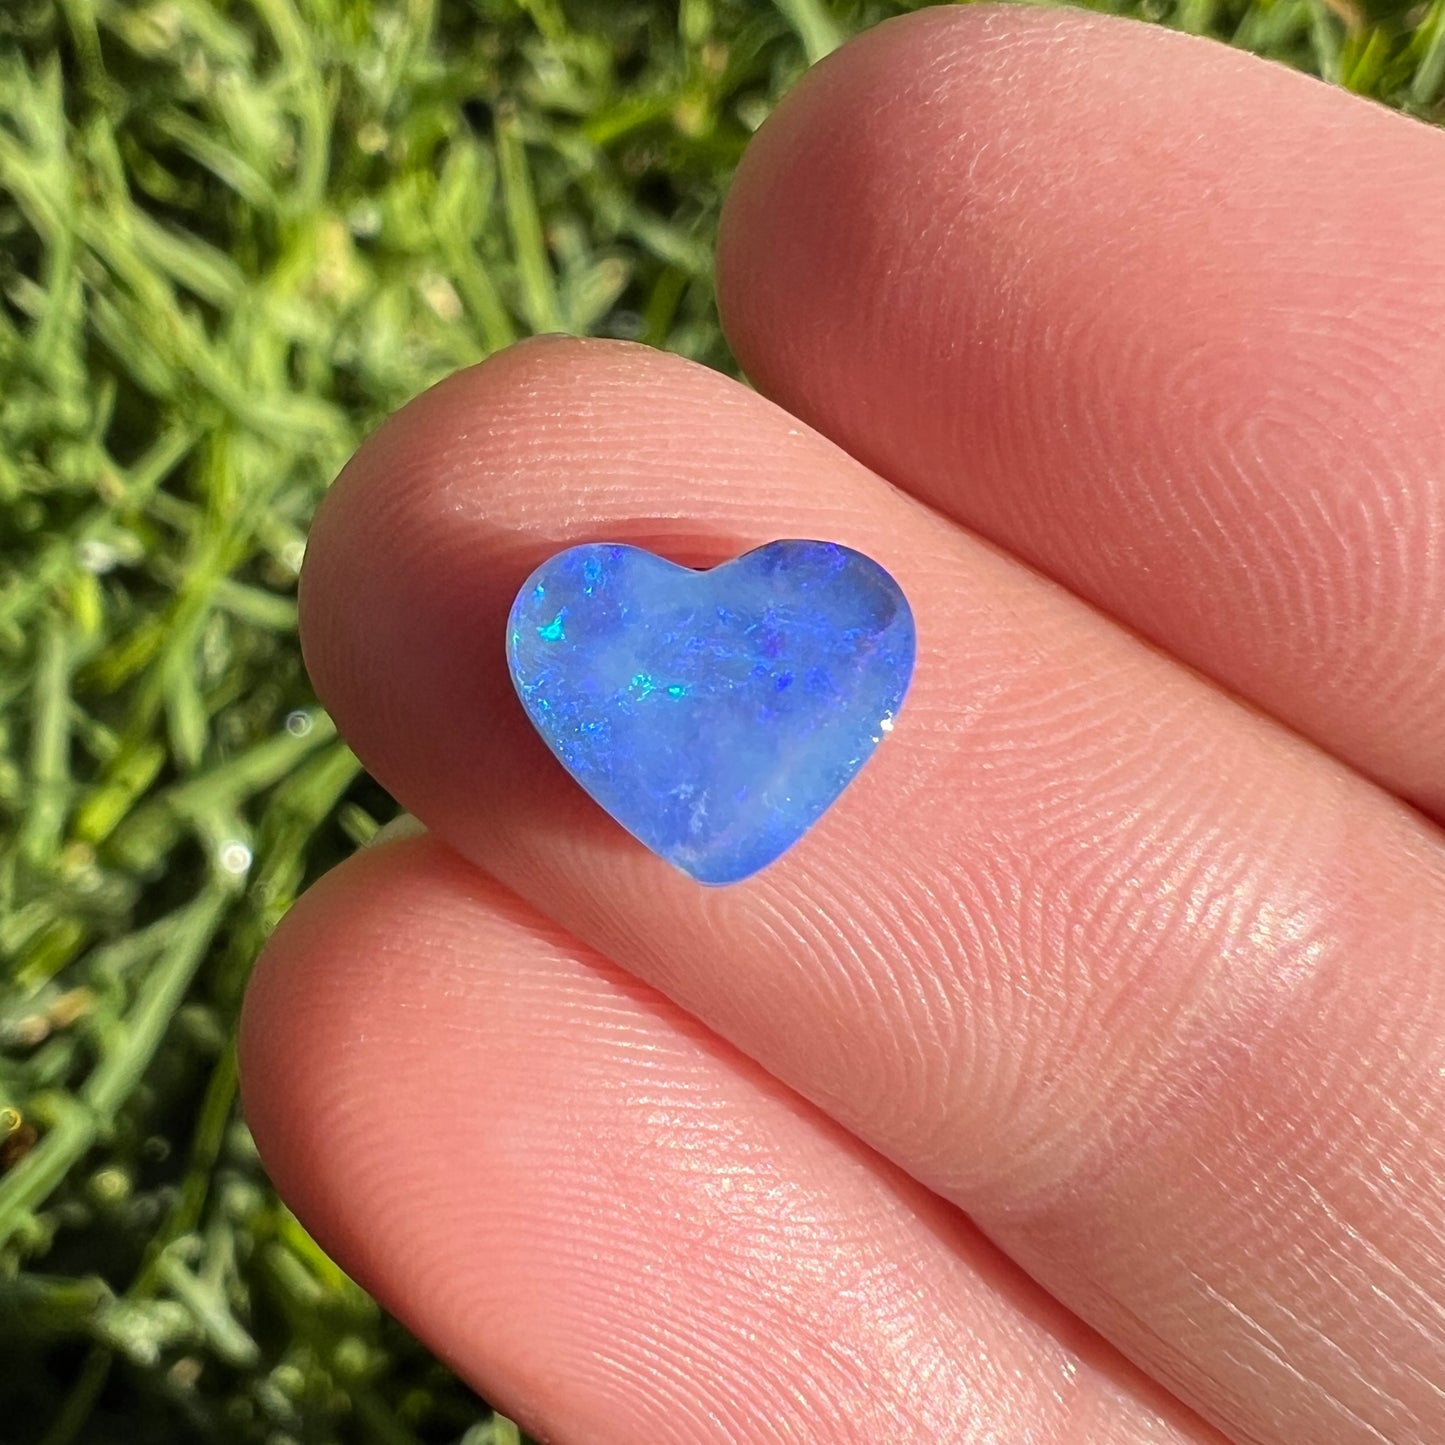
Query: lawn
column 234, row 234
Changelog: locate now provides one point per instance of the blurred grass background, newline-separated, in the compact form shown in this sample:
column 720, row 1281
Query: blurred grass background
column 234, row 234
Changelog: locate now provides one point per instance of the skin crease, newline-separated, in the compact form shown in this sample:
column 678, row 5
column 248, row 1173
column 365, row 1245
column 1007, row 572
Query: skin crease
column 1116, row 318
column 1149, row 985
column 641, row 1235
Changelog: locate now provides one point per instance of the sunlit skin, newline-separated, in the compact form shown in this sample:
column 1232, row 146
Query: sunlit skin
column 1079, row 1077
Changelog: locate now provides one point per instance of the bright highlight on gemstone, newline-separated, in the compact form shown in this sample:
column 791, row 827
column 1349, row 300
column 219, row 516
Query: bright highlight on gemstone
column 716, row 715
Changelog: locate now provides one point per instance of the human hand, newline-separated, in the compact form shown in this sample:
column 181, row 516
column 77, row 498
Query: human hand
column 1141, row 988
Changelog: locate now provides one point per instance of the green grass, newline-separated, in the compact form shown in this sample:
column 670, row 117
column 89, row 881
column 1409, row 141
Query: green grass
column 234, row 234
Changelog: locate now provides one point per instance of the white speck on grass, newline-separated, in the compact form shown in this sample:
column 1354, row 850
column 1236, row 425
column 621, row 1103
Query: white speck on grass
column 97, row 557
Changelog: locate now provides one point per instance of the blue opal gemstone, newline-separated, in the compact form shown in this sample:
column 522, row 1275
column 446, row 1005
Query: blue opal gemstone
column 716, row 715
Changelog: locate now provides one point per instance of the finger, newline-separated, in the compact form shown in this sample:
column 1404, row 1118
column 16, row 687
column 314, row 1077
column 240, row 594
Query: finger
column 1147, row 984
column 614, row 1225
column 1158, row 317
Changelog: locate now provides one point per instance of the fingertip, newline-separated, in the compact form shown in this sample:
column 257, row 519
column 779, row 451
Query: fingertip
column 607, row 1220
column 1150, row 313
column 425, row 540
column 467, row 449
column 292, row 1016
column 846, row 140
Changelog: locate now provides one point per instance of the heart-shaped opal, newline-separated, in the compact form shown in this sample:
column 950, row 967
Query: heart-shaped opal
column 716, row 715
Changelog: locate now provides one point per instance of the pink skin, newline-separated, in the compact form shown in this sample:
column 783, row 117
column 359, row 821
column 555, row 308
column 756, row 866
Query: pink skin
column 613, row 1223
column 1147, row 983
column 1160, row 318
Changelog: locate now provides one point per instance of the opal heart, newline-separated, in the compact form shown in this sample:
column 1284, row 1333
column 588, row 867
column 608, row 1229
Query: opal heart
column 716, row 715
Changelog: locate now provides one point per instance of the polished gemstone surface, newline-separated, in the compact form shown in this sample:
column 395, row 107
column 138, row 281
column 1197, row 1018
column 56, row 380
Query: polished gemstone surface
column 715, row 714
